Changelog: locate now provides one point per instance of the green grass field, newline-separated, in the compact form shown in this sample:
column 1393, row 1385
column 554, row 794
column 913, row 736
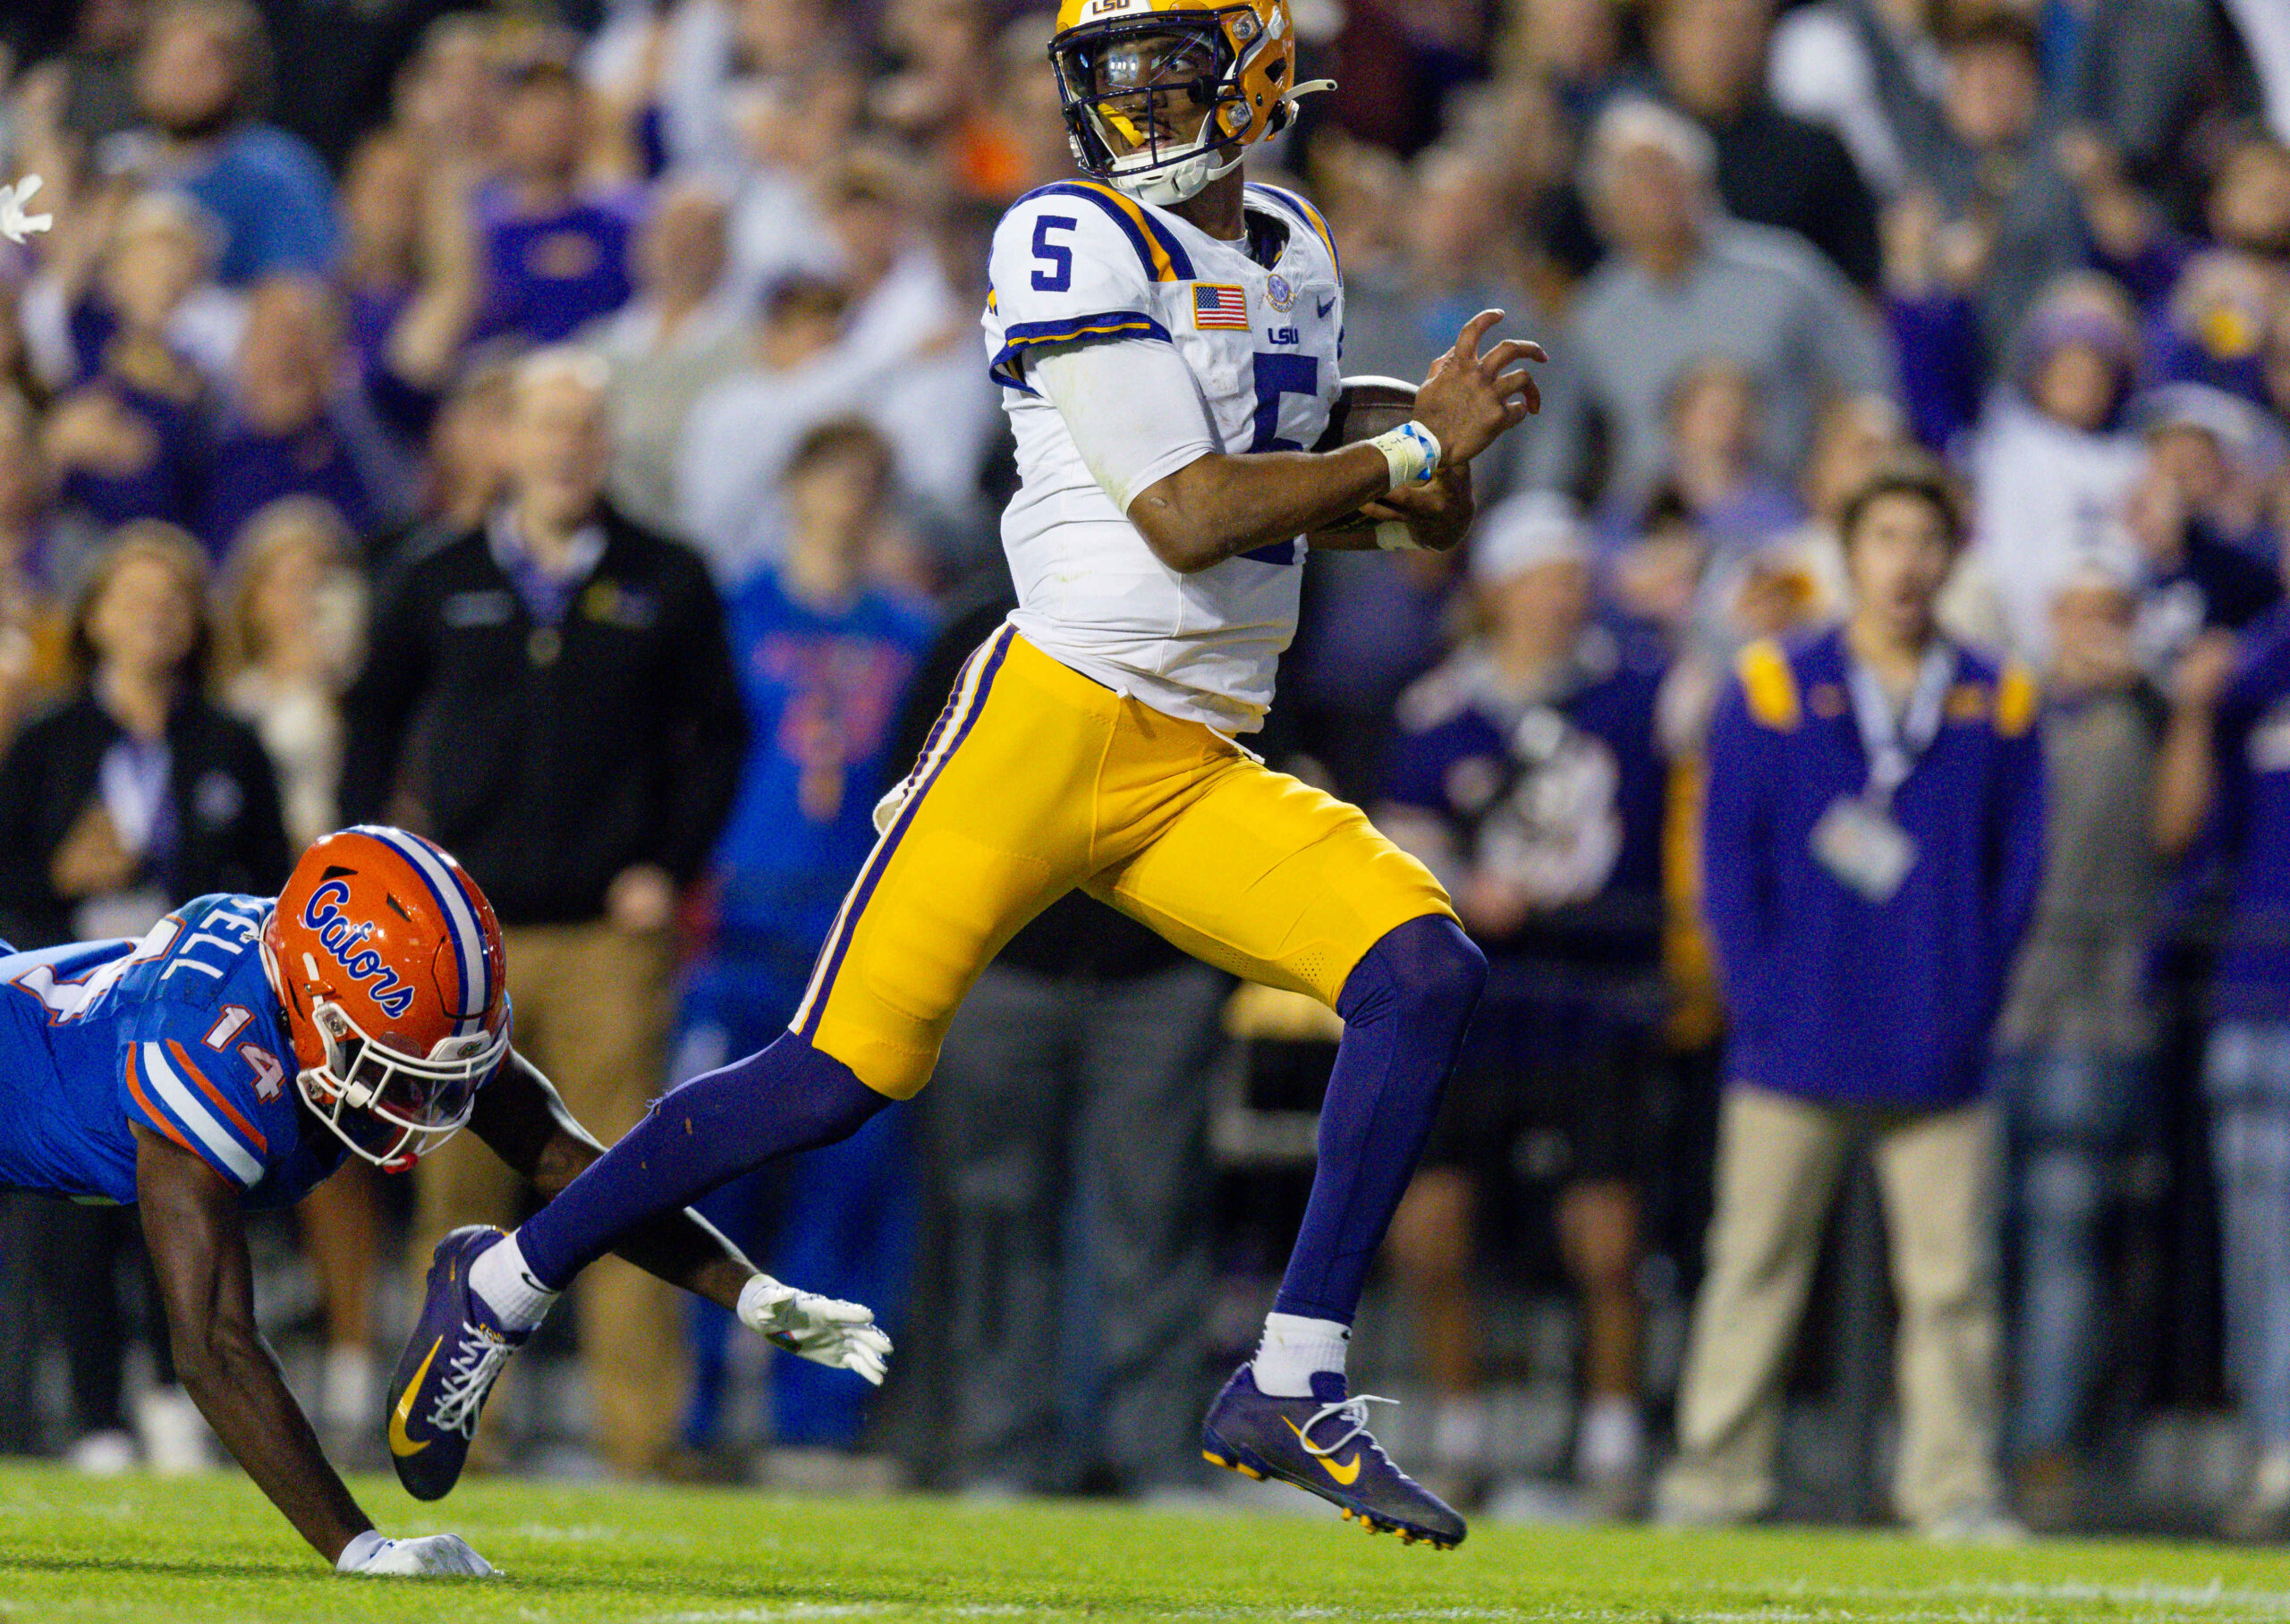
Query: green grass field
column 212, row 1549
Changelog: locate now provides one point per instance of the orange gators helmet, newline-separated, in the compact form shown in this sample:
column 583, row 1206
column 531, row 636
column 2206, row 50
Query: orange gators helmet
column 1156, row 91
column 389, row 961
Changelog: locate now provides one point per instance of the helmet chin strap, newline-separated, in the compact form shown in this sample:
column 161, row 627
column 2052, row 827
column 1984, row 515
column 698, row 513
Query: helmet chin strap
column 1182, row 182
column 1179, row 182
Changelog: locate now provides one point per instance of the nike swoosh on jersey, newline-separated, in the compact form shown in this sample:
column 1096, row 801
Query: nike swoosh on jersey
column 400, row 1444
column 1346, row 1473
column 1325, row 308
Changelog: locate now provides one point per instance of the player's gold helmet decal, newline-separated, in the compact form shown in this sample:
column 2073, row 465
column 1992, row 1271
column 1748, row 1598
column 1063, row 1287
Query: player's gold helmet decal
column 1162, row 97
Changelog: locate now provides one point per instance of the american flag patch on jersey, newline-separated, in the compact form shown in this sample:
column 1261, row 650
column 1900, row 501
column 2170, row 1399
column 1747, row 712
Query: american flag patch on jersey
column 1217, row 308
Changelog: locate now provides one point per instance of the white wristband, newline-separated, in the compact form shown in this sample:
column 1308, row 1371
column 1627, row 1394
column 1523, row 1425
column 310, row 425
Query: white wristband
column 1397, row 536
column 1412, row 452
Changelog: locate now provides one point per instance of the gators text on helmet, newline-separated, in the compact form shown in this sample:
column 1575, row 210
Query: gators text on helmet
column 389, row 961
column 1162, row 97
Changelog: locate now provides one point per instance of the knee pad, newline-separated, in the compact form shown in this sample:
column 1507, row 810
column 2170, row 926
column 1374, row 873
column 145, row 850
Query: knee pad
column 1427, row 966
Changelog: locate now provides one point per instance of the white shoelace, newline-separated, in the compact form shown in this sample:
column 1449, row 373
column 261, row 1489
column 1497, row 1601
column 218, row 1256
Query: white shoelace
column 474, row 1364
column 1352, row 1409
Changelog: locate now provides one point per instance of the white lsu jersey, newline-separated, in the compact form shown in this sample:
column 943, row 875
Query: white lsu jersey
column 1079, row 262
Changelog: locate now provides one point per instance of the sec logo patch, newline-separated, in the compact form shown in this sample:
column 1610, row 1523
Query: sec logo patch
column 1277, row 290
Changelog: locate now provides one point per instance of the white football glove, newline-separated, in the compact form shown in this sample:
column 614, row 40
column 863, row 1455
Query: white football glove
column 843, row 1336
column 15, row 224
column 430, row 1557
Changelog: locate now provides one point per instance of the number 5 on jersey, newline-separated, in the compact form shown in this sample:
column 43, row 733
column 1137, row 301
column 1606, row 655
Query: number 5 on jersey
column 1277, row 375
column 1061, row 258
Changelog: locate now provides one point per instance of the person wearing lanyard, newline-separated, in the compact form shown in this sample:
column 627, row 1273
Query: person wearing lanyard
column 1873, row 847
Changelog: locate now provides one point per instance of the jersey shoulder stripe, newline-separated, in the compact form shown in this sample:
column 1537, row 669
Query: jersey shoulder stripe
column 1296, row 206
column 153, row 1117
column 189, row 1070
column 180, row 1112
column 1069, row 330
column 1157, row 249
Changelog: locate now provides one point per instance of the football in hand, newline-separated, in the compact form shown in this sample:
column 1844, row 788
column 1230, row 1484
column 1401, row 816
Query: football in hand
column 1366, row 406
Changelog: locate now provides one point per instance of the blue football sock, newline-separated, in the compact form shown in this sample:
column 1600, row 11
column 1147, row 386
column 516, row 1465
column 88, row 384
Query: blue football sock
column 786, row 1098
column 1404, row 1008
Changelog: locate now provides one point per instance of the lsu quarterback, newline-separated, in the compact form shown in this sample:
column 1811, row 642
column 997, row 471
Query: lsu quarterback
column 241, row 1052
column 1166, row 335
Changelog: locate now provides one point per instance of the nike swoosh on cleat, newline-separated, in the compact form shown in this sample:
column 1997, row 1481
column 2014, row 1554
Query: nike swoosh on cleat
column 1347, row 1472
column 401, row 1445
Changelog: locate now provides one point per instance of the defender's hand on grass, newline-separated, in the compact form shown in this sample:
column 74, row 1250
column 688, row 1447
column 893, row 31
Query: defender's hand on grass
column 430, row 1557
column 840, row 1335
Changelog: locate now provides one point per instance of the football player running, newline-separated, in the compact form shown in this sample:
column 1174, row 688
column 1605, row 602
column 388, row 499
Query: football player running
column 240, row 1053
column 1166, row 337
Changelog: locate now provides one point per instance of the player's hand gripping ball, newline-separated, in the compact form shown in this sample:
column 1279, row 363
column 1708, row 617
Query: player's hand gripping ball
column 1367, row 407
column 1370, row 406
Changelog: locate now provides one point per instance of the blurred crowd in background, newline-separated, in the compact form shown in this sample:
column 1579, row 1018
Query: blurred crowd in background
column 563, row 429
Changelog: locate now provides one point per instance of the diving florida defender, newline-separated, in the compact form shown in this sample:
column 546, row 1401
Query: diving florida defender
column 247, row 1047
column 1166, row 337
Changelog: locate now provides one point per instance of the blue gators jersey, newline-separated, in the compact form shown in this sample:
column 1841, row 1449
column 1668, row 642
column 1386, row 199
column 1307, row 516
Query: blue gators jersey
column 823, row 692
column 180, row 1032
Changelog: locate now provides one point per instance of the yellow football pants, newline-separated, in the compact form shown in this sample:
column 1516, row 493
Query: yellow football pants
column 1037, row 780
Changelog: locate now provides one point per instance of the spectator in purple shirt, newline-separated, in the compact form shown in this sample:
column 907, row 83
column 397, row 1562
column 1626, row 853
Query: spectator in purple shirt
column 409, row 281
column 1872, row 844
column 289, row 432
column 555, row 258
column 203, row 77
column 1526, row 774
column 125, row 436
column 2206, row 300
column 2226, row 766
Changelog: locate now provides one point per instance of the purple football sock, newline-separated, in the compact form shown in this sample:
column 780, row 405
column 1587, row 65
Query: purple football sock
column 1405, row 1007
column 788, row 1097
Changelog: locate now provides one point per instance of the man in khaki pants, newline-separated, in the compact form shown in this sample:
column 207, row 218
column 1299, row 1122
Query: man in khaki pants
column 592, row 1008
column 1871, row 849
column 551, row 692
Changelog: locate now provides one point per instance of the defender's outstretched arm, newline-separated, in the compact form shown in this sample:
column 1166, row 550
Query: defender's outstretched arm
column 524, row 1119
column 195, row 1229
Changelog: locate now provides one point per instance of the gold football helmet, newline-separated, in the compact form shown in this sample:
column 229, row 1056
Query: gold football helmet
column 1162, row 97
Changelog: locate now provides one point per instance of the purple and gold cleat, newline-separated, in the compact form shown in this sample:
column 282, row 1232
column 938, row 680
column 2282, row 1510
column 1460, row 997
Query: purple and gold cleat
column 1322, row 1446
column 455, row 1355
